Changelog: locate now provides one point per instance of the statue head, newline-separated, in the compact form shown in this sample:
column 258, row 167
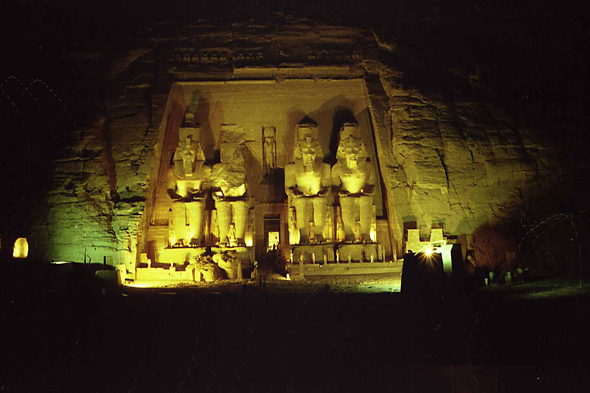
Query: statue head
column 309, row 150
column 307, row 147
column 189, row 150
column 351, row 148
column 305, row 130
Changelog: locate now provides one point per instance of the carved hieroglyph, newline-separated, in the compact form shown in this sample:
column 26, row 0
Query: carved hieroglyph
column 307, row 182
column 229, row 187
column 186, row 181
column 354, row 178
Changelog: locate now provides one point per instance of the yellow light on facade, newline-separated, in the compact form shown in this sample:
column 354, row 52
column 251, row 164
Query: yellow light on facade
column 248, row 240
column 428, row 252
column 21, row 248
column 373, row 234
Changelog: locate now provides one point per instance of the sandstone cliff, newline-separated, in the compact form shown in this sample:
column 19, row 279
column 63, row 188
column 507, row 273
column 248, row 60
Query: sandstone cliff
column 452, row 157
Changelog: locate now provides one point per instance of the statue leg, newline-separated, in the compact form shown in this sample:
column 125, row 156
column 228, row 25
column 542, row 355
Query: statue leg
column 240, row 209
column 194, row 211
column 179, row 222
column 366, row 216
column 302, row 207
column 223, row 219
column 348, row 217
column 319, row 217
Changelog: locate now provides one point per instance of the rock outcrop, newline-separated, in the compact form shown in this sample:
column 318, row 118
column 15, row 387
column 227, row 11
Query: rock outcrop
column 448, row 160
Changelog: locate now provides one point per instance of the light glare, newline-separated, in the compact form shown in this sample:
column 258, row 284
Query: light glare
column 21, row 248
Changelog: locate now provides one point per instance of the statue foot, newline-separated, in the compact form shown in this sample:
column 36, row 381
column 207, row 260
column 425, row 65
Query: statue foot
column 365, row 239
column 320, row 239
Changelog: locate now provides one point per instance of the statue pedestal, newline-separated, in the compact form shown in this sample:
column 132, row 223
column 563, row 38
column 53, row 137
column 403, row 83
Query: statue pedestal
column 305, row 253
column 180, row 255
column 360, row 260
column 360, row 252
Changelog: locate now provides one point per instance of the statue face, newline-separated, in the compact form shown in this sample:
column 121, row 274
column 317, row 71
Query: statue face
column 308, row 153
column 308, row 149
column 352, row 153
column 189, row 155
column 350, row 150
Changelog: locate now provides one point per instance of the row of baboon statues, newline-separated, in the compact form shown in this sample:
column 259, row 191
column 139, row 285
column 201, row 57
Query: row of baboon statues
column 308, row 182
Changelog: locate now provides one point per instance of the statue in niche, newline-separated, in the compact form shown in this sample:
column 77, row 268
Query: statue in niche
column 307, row 182
column 269, row 148
column 354, row 178
column 229, row 187
column 186, row 181
column 292, row 222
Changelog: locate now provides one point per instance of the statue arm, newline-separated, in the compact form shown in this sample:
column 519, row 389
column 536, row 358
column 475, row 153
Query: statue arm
column 177, row 160
column 214, row 183
column 290, row 181
column 205, row 172
column 335, row 176
column 326, row 179
column 336, row 180
column 171, row 185
column 206, row 177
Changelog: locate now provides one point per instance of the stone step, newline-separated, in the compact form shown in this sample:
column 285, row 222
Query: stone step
column 338, row 269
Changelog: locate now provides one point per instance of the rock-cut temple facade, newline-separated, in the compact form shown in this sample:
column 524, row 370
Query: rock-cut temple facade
column 215, row 150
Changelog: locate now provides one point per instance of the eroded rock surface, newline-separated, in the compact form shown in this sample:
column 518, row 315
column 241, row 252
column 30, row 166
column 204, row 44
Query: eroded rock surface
column 451, row 160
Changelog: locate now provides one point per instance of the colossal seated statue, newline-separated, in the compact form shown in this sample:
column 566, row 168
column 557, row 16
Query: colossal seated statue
column 229, row 188
column 307, row 183
column 354, row 179
column 185, row 185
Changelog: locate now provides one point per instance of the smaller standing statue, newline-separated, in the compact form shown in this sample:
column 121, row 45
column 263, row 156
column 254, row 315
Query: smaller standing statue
column 307, row 182
column 269, row 147
column 229, row 189
column 185, row 186
column 354, row 178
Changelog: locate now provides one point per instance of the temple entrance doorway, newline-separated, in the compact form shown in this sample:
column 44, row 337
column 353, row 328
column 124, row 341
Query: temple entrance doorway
column 272, row 229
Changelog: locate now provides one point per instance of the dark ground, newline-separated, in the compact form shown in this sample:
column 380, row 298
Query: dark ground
column 75, row 338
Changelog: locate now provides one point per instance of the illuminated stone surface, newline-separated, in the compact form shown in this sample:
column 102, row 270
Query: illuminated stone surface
column 186, row 180
column 456, row 164
column 21, row 248
column 307, row 183
column 229, row 189
column 354, row 178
